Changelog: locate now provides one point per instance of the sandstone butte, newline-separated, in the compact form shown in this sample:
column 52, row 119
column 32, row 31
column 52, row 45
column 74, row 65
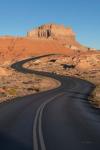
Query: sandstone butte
column 48, row 38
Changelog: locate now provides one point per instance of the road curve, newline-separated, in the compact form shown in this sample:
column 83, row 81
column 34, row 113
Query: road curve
column 58, row 119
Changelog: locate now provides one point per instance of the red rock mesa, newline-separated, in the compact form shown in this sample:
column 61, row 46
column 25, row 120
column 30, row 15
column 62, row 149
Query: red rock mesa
column 57, row 32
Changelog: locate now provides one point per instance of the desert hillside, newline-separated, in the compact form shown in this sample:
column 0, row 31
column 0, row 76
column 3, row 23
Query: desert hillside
column 49, row 38
column 12, row 48
column 65, row 35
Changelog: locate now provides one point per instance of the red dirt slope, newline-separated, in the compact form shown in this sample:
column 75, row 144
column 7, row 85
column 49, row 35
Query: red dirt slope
column 12, row 48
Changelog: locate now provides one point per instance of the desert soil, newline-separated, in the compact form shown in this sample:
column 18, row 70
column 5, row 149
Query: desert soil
column 85, row 66
column 14, row 84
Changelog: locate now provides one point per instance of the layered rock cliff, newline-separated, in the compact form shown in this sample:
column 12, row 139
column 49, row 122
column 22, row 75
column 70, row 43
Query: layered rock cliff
column 65, row 35
column 52, row 31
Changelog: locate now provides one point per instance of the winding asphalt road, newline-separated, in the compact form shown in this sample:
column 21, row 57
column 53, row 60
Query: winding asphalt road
column 58, row 119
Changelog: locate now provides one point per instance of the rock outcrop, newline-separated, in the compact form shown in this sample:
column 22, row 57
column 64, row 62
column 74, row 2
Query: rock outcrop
column 65, row 35
column 52, row 31
column 50, row 38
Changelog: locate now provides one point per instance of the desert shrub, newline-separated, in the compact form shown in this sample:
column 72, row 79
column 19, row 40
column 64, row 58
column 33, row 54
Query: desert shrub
column 52, row 60
column 12, row 91
column 27, row 82
column 37, row 89
column 68, row 66
column 30, row 89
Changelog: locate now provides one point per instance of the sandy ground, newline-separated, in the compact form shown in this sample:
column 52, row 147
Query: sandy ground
column 85, row 67
column 14, row 84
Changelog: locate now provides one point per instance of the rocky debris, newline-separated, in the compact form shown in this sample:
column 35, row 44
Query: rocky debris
column 88, row 62
column 85, row 66
column 57, row 64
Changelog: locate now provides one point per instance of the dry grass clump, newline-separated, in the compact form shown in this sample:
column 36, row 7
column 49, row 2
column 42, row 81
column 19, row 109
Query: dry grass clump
column 19, row 84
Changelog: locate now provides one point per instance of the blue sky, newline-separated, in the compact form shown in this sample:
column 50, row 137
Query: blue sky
column 19, row 16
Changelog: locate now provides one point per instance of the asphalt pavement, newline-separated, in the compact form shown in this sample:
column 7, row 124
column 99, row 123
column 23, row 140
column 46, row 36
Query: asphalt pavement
column 57, row 119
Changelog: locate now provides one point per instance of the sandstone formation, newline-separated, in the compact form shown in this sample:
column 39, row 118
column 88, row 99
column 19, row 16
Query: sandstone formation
column 52, row 31
column 48, row 38
column 57, row 32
